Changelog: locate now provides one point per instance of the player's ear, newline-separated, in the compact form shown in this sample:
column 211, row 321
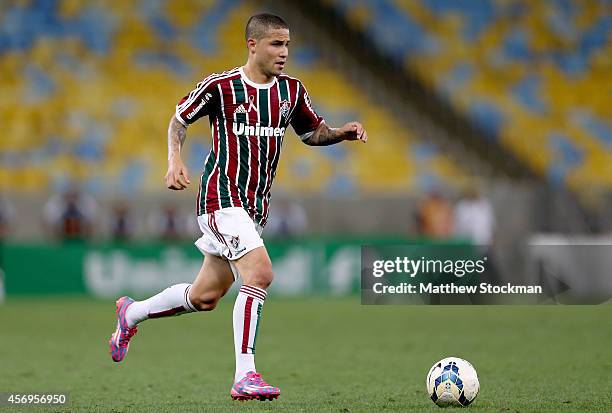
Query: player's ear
column 251, row 43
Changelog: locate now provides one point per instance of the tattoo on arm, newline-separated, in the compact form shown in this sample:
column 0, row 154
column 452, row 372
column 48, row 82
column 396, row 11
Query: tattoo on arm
column 177, row 133
column 324, row 136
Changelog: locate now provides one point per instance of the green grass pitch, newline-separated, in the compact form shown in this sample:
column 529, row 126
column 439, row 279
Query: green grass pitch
column 324, row 354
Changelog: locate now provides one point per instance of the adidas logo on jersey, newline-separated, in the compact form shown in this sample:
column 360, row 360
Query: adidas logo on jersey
column 257, row 130
column 240, row 109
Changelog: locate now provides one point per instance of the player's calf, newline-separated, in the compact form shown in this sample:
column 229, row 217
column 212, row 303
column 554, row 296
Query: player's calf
column 172, row 301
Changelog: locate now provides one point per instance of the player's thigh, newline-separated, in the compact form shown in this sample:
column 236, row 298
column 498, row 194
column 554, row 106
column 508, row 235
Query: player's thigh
column 255, row 267
column 214, row 279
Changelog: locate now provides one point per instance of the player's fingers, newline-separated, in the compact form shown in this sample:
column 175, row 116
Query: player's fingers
column 358, row 129
column 176, row 182
column 349, row 128
column 186, row 175
column 170, row 184
column 181, row 180
column 364, row 136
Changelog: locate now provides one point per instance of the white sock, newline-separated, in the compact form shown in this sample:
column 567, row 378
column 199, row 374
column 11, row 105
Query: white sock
column 173, row 300
column 247, row 314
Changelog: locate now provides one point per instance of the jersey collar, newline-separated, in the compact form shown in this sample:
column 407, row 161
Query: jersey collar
column 253, row 84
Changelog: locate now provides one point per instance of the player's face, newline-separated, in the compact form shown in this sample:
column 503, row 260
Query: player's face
column 272, row 50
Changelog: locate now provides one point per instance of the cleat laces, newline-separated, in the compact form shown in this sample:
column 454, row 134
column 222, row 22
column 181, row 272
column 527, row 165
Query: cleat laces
column 127, row 335
column 257, row 379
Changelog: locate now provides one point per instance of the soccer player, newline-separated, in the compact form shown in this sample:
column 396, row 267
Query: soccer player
column 249, row 109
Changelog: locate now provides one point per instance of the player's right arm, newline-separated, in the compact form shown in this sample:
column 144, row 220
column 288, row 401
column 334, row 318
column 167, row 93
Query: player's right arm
column 199, row 102
column 177, row 177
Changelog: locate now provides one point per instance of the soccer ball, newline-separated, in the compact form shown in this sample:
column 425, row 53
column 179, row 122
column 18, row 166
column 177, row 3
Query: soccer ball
column 452, row 382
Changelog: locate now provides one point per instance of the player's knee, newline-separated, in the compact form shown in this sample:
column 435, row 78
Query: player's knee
column 262, row 277
column 205, row 302
column 205, row 305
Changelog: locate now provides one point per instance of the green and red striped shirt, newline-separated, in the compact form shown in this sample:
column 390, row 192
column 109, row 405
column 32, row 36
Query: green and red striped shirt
column 248, row 122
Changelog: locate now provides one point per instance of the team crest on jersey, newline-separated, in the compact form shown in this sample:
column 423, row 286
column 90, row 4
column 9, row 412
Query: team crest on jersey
column 235, row 241
column 285, row 106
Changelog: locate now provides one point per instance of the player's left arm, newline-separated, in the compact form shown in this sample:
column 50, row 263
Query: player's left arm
column 325, row 135
column 313, row 130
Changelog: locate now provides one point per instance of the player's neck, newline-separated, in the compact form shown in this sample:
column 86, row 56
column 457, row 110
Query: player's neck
column 255, row 75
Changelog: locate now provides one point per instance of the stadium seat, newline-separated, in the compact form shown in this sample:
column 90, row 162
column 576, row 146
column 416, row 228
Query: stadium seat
column 521, row 70
column 91, row 88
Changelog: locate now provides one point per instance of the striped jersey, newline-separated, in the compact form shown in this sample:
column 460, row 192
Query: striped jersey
column 248, row 123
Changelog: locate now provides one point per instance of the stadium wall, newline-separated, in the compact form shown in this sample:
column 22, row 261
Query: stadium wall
column 306, row 266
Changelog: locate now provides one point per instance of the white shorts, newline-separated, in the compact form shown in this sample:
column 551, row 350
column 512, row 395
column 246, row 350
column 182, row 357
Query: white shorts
column 229, row 233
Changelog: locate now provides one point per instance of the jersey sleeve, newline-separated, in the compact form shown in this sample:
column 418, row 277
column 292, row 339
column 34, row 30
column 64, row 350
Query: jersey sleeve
column 199, row 102
column 304, row 120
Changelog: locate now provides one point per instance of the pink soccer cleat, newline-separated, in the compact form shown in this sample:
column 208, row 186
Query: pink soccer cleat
column 252, row 386
column 120, row 340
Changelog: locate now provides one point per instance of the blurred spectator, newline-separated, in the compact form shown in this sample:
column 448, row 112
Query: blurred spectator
column 121, row 222
column 287, row 219
column 7, row 214
column 167, row 223
column 474, row 219
column 435, row 216
column 70, row 215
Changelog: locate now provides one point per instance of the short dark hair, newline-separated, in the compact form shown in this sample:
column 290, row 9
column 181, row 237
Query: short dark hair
column 259, row 24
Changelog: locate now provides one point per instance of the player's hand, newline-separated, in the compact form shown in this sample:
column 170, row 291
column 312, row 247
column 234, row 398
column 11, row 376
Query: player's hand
column 177, row 177
column 354, row 131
